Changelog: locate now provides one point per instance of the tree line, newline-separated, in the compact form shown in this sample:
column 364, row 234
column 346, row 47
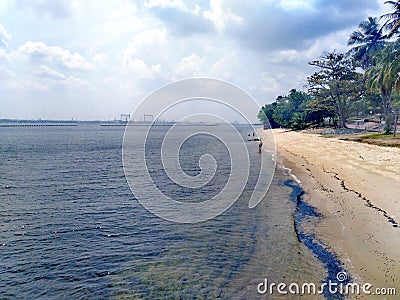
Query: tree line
column 364, row 81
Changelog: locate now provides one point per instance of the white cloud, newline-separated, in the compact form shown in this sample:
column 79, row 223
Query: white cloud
column 109, row 80
column 49, row 81
column 296, row 5
column 56, row 9
column 165, row 3
column 142, row 70
column 225, row 67
column 3, row 56
column 4, row 4
column 4, row 35
column 46, row 72
column 34, row 49
column 144, row 54
column 131, row 47
column 148, row 40
column 4, row 32
column 191, row 65
column 100, row 58
column 181, row 18
column 221, row 16
column 39, row 51
column 334, row 41
column 268, row 83
column 8, row 79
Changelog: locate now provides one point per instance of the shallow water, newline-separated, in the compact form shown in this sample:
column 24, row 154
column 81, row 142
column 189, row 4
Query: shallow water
column 70, row 227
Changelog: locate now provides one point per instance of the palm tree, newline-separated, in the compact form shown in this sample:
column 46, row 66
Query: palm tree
column 375, row 81
column 392, row 24
column 385, row 77
column 369, row 39
column 392, row 75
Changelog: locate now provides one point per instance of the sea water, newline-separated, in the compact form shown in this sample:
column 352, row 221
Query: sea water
column 70, row 228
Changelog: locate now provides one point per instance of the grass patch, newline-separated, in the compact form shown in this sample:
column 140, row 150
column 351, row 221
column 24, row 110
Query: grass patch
column 377, row 136
column 379, row 139
column 373, row 138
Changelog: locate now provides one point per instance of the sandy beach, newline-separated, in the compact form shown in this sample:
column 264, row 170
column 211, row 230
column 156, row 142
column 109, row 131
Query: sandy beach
column 356, row 188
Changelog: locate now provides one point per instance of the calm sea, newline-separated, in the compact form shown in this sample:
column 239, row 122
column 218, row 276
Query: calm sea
column 70, row 228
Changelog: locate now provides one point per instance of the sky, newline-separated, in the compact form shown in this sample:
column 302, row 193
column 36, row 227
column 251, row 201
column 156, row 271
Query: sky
column 96, row 59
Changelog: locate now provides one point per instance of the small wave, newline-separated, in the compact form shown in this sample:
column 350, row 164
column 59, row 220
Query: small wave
column 10, row 186
column 328, row 258
column 298, row 181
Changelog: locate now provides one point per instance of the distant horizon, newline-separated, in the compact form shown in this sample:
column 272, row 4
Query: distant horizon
column 3, row 120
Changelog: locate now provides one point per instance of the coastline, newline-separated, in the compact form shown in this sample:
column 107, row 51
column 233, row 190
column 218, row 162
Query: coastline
column 356, row 189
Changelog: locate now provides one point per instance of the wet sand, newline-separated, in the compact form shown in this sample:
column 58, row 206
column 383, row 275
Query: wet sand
column 356, row 188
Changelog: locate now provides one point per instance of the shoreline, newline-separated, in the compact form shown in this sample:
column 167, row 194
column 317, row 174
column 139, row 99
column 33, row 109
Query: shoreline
column 356, row 189
column 330, row 261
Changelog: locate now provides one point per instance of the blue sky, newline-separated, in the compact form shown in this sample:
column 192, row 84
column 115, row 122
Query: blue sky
column 95, row 59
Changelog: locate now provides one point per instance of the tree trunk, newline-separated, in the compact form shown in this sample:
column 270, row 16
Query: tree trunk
column 342, row 122
column 385, row 103
column 385, row 110
column 396, row 119
column 342, row 116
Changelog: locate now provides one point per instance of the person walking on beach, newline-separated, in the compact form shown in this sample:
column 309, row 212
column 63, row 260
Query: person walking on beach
column 260, row 146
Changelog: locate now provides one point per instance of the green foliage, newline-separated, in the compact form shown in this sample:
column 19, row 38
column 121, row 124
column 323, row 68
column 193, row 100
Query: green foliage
column 287, row 106
column 320, row 109
column 336, row 82
column 385, row 78
column 298, row 121
column 388, row 128
column 340, row 89
column 367, row 40
column 297, row 110
column 392, row 24
column 265, row 115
